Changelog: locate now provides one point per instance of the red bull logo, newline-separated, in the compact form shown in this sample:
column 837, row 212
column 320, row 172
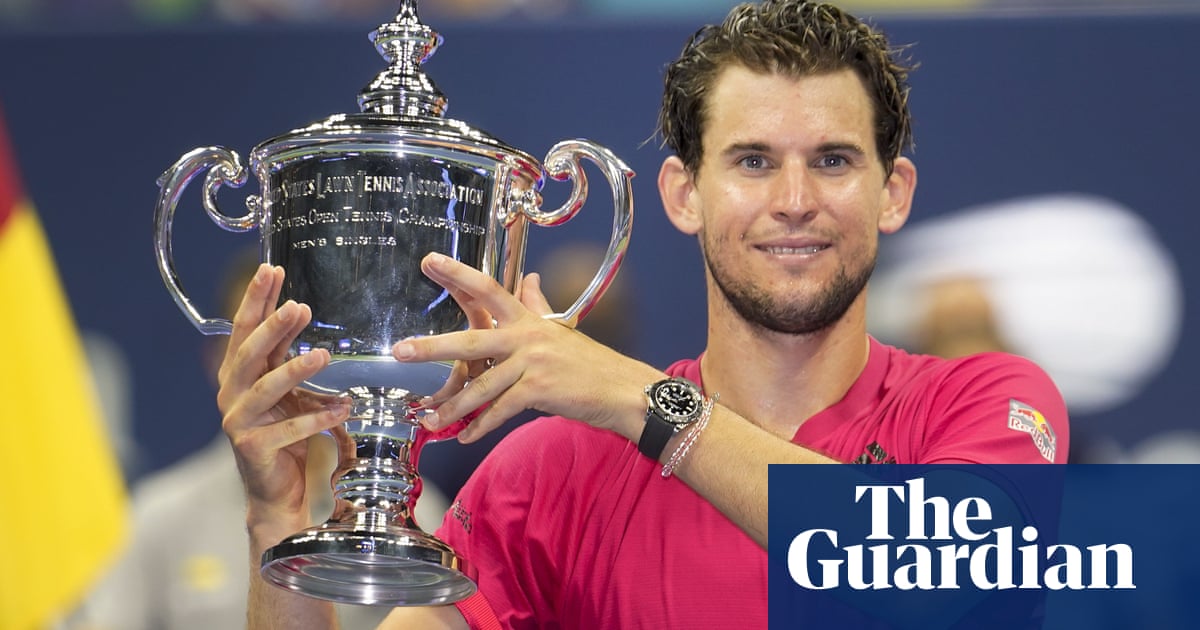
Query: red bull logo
column 1026, row 419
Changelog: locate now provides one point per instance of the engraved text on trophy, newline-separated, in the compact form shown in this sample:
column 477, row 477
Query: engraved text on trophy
column 351, row 234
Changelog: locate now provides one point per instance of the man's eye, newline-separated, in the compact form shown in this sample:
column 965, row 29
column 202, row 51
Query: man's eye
column 754, row 162
column 832, row 161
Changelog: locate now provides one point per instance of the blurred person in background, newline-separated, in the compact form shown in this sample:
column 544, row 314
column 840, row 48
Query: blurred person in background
column 1101, row 310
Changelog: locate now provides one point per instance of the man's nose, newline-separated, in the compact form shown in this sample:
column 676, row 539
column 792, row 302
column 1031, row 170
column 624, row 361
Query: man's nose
column 795, row 197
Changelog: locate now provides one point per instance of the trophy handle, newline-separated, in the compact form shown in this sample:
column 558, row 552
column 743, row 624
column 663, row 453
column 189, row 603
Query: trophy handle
column 224, row 168
column 562, row 163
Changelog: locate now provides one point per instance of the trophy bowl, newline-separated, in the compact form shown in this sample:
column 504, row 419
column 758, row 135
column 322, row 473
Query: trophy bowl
column 349, row 206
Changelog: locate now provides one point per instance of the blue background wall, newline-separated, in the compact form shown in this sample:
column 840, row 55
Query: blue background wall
column 1004, row 108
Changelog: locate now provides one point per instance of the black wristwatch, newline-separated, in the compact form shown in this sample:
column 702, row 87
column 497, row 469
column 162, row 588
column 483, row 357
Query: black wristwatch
column 674, row 404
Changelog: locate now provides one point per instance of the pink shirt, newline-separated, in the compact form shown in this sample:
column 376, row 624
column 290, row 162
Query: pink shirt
column 567, row 526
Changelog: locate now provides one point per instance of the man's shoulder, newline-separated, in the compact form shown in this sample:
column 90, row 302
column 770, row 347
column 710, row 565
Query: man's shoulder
column 979, row 408
column 984, row 378
column 907, row 367
column 996, row 367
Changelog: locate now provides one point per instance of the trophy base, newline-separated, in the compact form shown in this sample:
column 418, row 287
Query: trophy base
column 399, row 567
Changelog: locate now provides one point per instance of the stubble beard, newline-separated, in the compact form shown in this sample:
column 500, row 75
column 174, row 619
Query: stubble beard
column 792, row 317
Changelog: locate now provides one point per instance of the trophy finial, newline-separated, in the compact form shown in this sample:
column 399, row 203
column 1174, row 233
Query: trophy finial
column 403, row 87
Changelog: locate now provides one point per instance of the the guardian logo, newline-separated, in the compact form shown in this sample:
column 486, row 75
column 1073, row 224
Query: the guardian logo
column 949, row 546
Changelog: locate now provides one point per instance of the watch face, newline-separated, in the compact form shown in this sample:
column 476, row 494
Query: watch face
column 679, row 401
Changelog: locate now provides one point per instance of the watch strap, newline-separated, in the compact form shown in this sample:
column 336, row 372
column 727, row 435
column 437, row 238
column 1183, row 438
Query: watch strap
column 655, row 435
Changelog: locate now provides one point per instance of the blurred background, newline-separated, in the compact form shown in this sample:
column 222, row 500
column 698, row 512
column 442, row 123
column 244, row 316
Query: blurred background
column 158, row 13
column 1055, row 215
column 1014, row 100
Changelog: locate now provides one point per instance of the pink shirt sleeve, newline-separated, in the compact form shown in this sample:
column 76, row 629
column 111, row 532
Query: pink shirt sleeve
column 996, row 408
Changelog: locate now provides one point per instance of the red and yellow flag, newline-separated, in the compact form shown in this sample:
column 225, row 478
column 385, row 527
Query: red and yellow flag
column 62, row 498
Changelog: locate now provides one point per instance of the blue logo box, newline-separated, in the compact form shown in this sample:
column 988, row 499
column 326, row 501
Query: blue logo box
column 973, row 546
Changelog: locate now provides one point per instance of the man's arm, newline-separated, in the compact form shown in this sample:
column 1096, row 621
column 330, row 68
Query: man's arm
column 425, row 617
column 727, row 465
column 268, row 421
column 270, row 607
column 538, row 364
column 977, row 414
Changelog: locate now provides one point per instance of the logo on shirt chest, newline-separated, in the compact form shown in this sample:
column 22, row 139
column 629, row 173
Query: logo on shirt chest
column 461, row 515
column 874, row 454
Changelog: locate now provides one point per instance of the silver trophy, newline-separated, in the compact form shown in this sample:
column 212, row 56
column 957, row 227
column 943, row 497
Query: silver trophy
column 349, row 206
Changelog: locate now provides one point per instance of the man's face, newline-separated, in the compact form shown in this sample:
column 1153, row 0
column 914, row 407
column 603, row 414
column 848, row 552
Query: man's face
column 791, row 196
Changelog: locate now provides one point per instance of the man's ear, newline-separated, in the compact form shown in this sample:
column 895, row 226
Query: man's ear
column 898, row 195
column 677, row 187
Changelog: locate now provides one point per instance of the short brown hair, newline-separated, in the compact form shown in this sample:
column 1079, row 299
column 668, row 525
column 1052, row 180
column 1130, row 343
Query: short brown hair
column 796, row 38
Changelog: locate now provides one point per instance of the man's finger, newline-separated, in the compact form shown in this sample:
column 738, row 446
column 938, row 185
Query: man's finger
column 279, row 435
column 532, row 297
column 478, row 392
column 256, row 306
column 267, row 391
column 280, row 353
column 454, row 383
column 252, row 356
column 472, row 286
column 463, row 345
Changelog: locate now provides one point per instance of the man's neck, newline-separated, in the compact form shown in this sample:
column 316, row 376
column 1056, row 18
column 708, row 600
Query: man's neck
column 778, row 380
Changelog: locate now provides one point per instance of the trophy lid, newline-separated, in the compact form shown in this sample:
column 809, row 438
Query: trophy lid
column 401, row 105
column 403, row 87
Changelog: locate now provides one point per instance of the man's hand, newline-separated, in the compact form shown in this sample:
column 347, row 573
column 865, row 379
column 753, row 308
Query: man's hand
column 266, row 417
column 513, row 358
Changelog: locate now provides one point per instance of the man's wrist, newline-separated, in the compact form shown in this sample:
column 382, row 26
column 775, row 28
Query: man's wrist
column 267, row 529
column 629, row 410
column 673, row 404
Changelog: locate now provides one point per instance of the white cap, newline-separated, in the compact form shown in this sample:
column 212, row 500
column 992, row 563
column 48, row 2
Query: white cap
column 1079, row 284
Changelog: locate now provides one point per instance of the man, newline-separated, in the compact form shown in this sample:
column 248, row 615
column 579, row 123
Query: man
column 787, row 122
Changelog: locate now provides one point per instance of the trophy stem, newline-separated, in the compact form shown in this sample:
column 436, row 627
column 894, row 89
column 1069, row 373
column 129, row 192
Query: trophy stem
column 376, row 484
column 371, row 551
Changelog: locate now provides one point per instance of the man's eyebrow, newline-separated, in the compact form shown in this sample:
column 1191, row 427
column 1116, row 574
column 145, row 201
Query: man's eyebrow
column 762, row 147
column 746, row 147
column 835, row 147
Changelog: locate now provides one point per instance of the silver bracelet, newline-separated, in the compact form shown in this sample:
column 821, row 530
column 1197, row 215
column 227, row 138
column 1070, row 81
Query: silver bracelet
column 681, row 451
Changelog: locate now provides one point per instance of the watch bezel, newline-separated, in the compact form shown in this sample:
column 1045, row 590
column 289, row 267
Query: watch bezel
column 667, row 409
